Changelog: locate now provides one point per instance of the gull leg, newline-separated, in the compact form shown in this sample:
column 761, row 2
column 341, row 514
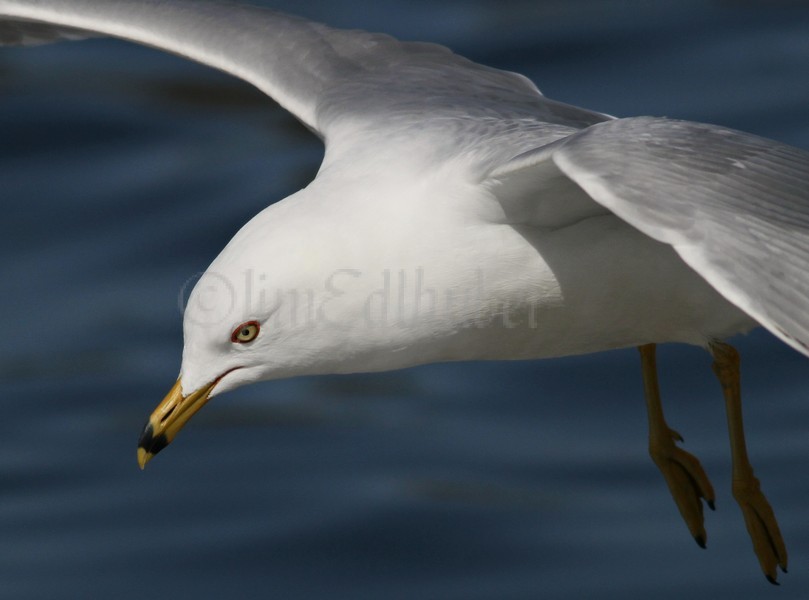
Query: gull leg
column 758, row 514
column 684, row 475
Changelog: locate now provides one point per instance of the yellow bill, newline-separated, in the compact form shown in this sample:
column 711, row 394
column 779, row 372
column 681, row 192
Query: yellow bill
column 168, row 418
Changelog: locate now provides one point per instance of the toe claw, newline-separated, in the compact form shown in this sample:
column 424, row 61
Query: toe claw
column 687, row 481
column 762, row 526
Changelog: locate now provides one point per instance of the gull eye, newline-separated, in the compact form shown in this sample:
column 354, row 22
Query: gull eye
column 246, row 332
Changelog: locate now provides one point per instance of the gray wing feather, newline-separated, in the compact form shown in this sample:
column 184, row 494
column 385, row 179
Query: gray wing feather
column 734, row 206
column 290, row 59
column 321, row 75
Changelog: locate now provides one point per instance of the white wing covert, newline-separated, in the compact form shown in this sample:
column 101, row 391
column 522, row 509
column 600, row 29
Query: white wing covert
column 733, row 205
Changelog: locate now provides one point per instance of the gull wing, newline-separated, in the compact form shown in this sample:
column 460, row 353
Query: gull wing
column 734, row 206
column 320, row 74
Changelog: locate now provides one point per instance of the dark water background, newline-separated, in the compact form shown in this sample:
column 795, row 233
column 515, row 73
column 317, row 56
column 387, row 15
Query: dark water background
column 123, row 172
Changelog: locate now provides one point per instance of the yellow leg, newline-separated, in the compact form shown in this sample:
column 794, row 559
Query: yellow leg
column 758, row 514
column 684, row 474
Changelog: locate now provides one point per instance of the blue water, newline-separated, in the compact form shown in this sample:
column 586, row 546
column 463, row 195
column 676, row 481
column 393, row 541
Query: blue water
column 123, row 172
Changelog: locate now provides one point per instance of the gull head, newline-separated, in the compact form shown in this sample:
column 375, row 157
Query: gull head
column 273, row 304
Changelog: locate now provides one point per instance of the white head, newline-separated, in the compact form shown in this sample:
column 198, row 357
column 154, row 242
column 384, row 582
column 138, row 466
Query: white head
column 277, row 302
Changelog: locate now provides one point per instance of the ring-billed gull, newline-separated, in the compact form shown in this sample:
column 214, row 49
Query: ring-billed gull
column 460, row 214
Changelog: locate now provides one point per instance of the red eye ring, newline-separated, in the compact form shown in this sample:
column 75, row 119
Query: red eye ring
column 246, row 332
